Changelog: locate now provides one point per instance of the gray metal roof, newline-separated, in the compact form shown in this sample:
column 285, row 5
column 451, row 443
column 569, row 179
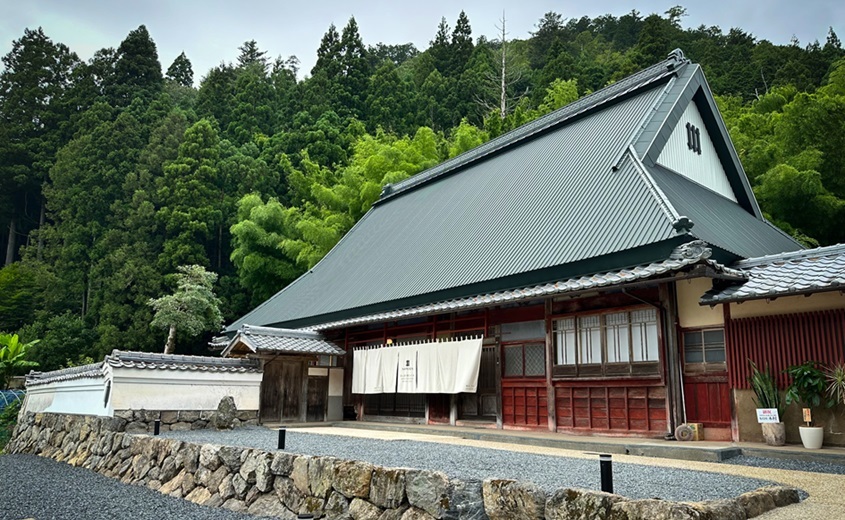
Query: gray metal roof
column 684, row 256
column 562, row 197
column 283, row 341
column 798, row 272
column 720, row 221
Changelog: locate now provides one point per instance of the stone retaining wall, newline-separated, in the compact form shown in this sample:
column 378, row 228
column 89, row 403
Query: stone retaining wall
column 142, row 421
column 283, row 485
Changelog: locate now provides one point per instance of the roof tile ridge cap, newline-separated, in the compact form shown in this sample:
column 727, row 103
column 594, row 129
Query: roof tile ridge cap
column 799, row 254
column 562, row 114
column 149, row 357
column 78, row 369
column 251, row 330
column 653, row 188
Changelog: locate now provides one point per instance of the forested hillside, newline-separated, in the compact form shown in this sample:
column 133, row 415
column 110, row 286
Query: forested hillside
column 115, row 171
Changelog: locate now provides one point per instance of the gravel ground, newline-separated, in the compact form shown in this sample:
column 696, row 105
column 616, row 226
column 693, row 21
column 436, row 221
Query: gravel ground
column 39, row 488
column 796, row 465
column 464, row 462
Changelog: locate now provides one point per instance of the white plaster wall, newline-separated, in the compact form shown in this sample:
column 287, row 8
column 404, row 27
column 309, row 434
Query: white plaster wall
column 705, row 169
column 138, row 389
column 85, row 396
column 690, row 313
column 336, row 382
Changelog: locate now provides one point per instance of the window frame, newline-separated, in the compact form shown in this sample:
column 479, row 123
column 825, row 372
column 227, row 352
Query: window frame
column 522, row 344
column 704, row 367
column 630, row 369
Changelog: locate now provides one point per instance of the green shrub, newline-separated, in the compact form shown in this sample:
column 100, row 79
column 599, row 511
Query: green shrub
column 8, row 420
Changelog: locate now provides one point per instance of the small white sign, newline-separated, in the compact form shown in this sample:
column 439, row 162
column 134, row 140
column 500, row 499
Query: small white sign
column 767, row 415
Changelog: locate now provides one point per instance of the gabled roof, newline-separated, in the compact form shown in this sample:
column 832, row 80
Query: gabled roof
column 797, row 272
column 568, row 195
column 281, row 341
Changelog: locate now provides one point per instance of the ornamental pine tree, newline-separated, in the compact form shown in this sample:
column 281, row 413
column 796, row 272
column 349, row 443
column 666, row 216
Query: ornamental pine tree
column 192, row 308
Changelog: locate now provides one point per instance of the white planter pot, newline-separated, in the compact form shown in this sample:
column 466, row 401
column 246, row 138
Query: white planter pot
column 811, row 436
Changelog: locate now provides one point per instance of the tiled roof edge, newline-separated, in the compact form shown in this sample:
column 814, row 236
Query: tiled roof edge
column 690, row 253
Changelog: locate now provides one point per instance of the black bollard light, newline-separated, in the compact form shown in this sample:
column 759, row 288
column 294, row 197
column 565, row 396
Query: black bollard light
column 606, row 465
column 157, row 427
column 281, row 438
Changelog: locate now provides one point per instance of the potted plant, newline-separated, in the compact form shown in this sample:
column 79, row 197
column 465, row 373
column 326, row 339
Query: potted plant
column 808, row 388
column 768, row 397
column 836, row 382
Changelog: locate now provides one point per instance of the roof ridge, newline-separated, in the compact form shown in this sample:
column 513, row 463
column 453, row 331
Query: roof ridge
column 129, row 355
column 801, row 254
column 632, row 83
column 250, row 330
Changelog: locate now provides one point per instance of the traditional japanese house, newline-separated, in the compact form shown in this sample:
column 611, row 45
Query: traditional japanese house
column 568, row 248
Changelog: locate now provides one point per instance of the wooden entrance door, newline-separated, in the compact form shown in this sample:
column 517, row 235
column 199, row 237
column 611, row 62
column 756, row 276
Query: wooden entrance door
column 318, row 389
column 291, row 389
column 706, row 389
column 281, row 391
column 482, row 404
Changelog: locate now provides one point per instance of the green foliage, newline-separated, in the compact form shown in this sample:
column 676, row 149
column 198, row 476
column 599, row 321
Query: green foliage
column 112, row 174
column 808, row 386
column 766, row 391
column 12, row 357
column 835, row 376
column 192, row 308
column 65, row 339
column 180, row 71
column 8, row 421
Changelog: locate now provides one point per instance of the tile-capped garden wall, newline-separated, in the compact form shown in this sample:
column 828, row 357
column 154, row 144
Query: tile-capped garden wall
column 284, row 485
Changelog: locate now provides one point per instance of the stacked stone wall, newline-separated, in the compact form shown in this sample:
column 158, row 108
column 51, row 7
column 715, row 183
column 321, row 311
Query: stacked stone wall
column 284, row 485
column 142, row 421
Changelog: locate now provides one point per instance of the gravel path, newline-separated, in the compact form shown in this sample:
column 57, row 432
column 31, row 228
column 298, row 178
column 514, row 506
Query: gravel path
column 467, row 462
column 35, row 487
column 796, row 465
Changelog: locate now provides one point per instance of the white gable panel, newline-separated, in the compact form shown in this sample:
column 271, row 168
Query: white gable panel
column 704, row 168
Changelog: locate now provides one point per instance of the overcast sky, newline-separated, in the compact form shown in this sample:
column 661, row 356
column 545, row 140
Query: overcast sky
column 211, row 31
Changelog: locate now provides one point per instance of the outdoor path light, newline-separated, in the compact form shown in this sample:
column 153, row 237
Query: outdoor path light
column 606, row 466
column 282, row 443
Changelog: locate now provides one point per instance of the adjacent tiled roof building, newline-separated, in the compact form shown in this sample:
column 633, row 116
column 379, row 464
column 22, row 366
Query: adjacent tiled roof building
column 798, row 272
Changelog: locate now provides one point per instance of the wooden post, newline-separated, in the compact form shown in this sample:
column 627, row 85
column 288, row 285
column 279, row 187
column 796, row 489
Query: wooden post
column 453, row 409
column 671, row 349
column 551, row 404
column 303, row 394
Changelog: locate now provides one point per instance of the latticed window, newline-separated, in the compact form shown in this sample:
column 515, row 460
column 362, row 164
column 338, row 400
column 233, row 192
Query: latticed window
column 704, row 350
column 610, row 343
column 525, row 360
column 524, row 348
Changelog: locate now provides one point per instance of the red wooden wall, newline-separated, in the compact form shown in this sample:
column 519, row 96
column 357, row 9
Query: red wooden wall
column 611, row 406
column 525, row 403
column 783, row 340
column 707, row 400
